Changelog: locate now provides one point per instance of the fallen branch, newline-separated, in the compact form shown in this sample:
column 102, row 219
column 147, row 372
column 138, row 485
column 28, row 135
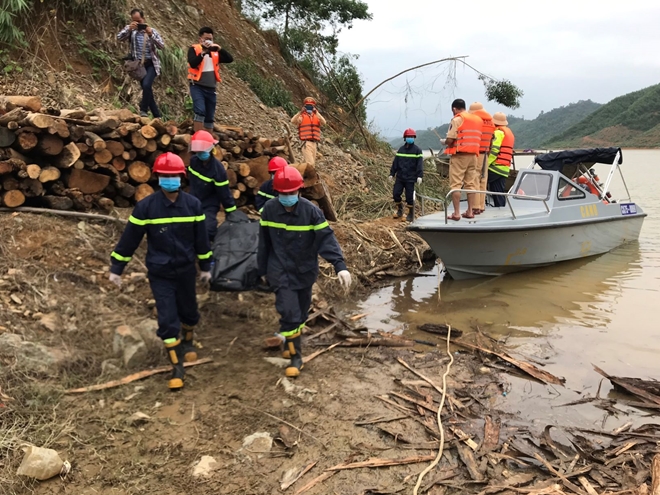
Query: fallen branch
column 132, row 378
column 285, row 422
column 316, row 481
column 322, row 332
column 623, row 383
column 380, row 268
column 307, row 359
column 303, row 472
column 64, row 213
column 369, row 342
column 375, row 463
column 568, row 484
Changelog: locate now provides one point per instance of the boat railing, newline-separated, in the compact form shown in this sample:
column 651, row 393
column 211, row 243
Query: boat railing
column 507, row 197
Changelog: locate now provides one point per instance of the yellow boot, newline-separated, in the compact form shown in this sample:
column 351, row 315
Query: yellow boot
column 175, row 353
column 293, row 344
column 189, row 352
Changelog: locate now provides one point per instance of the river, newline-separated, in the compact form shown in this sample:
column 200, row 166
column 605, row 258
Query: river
column 597, row 310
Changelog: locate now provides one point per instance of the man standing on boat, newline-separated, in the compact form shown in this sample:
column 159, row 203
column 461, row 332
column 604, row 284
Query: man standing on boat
column 408, row 169
column 463, row 141
column 499, row 160
column 487, row 131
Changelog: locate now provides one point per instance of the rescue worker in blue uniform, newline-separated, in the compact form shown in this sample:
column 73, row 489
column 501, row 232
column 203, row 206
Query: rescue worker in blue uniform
column 176, row 238
column 293, row 234
column 208, row 181
column 408, row 170
column 266, row 191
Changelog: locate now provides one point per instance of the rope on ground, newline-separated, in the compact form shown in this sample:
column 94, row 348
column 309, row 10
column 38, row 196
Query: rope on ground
column 442, row 431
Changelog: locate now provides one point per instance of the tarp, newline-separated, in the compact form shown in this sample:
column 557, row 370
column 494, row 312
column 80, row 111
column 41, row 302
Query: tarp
column 557, row 160
column 235, row 254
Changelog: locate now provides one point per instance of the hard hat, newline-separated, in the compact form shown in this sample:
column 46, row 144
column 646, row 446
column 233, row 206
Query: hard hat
column 202, row 141
column 276, row 163
column 309, row 101
column 287, row 180
column 475, row 107
column 500, row 119
column 169, row 163
column 409, row 133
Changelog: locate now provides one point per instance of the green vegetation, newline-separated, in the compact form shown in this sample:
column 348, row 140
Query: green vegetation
column 503, row 91
column 634, row 115
column 270, row 91
column 174, row 67
column 535, row 133
column 101, row 60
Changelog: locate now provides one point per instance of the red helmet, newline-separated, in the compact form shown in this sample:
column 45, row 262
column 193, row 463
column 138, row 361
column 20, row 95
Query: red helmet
column 309, row 101
column 202, row 141
column 169, row 163
column 276, row 163
column 287, row 180
column 409, row 133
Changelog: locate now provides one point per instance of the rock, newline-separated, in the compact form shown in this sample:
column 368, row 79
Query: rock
column 16, row 299
column 40, row 464
column 137, row 419
column 147, row 330
column 277, row 361
column 110, row 366
column 130, row 345
column 205, row 467
column 137, row 277
column 192, row 11
column 306, row 394
column 259, row 442
column 51, row 321
column 31, row 356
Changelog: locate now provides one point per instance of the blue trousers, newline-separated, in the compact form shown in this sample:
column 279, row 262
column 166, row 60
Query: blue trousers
column 293, row 307
column 497, row 183
column 148, row 101
column 176, row 302
column 204, row 102
column 211, row 222
column 399, row 187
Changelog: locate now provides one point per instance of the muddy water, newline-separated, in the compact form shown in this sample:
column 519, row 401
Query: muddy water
column 603, row 310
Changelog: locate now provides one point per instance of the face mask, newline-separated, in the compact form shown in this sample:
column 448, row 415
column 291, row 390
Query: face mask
column 410, row 140
column 203, row 155
column 288, row 200
column 169, row 184
column 309, row 108
column 208, row 43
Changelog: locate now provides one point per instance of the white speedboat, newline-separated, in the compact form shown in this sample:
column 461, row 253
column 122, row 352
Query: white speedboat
column 557, row 212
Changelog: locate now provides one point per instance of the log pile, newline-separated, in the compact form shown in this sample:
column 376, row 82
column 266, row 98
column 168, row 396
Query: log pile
column 74, row 159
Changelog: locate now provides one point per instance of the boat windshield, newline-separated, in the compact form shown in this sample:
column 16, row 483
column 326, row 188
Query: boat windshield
column 534, row 183
column 566, row 190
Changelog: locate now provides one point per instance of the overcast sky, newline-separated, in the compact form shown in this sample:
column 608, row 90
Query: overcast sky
column 557, row 52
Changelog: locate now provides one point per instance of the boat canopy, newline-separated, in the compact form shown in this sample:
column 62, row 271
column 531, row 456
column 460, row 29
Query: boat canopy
column 558, row 159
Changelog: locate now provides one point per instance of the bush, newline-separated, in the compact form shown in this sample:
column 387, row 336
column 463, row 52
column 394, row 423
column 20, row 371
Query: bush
column 270, row 91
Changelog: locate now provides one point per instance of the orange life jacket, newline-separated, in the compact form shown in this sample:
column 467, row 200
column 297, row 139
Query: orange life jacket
column 310, row 127
column 196, row 74
column 486, row 131
column 506, row 148
column 469, row 135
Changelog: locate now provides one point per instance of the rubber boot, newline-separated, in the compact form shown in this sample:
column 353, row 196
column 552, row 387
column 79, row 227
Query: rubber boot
column 411, row 213
column 189, row 352
column 198, row 126
column 399, row 210
column 285, row 352
column 296, row 357
column 175, row 353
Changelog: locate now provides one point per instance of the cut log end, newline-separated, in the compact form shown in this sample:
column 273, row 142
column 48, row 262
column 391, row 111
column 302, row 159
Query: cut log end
column 13, row 199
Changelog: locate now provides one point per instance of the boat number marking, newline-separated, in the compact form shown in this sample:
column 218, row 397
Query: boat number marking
column 585, row 247
column 589, row 211
column 517, row 252
column 629, row 209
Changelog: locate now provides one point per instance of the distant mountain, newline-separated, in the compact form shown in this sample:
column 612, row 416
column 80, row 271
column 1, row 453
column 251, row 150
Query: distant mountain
column 529, row 133
column 534, row 133
column 631, row 120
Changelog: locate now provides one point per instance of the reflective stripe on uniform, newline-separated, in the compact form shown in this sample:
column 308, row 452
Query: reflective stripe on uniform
column 404, row 155
column 207, row 179
column 160, row 221
column 295, row 228
column 119, row 257
column 265, row 195
column 291, row 334
column 230, row 209
column 205, row 256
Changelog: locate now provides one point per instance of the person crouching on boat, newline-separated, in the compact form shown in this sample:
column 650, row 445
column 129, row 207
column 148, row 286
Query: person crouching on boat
column 408, row 169
column 499, row 160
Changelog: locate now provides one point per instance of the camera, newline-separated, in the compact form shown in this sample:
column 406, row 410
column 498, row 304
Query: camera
column 141, row 27
column 213, row 49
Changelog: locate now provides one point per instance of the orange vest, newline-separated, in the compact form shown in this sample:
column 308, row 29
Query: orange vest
column 310, row 127
column 196, row 74
column 469, row 135
column 506, row 148
column 486, row 131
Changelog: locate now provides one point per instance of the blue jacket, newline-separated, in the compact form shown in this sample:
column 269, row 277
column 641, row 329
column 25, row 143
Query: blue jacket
column 176, row 236
column 209, row 184
column 290, row 244
column 408, row 164
column 265, row 193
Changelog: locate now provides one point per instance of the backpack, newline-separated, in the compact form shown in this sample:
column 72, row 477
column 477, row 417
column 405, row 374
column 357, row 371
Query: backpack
column 234, row 249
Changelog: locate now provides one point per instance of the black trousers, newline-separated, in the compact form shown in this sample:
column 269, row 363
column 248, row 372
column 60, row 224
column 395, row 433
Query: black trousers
column 497, row 183
column 211, row 221
column 293, row 307
column 176, row 303
column 399, row 187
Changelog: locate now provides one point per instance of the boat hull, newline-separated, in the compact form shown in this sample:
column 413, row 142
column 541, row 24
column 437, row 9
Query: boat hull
column 475, row 254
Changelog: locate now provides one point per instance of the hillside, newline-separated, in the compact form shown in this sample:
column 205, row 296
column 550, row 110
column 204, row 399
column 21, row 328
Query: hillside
column 529, row 133
column 533, row 133
column 631, row 120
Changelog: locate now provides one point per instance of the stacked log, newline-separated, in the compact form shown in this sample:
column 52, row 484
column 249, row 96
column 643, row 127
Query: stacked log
column 74, row 159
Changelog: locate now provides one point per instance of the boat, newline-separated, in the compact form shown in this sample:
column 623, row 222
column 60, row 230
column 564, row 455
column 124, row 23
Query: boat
column 557, row 210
